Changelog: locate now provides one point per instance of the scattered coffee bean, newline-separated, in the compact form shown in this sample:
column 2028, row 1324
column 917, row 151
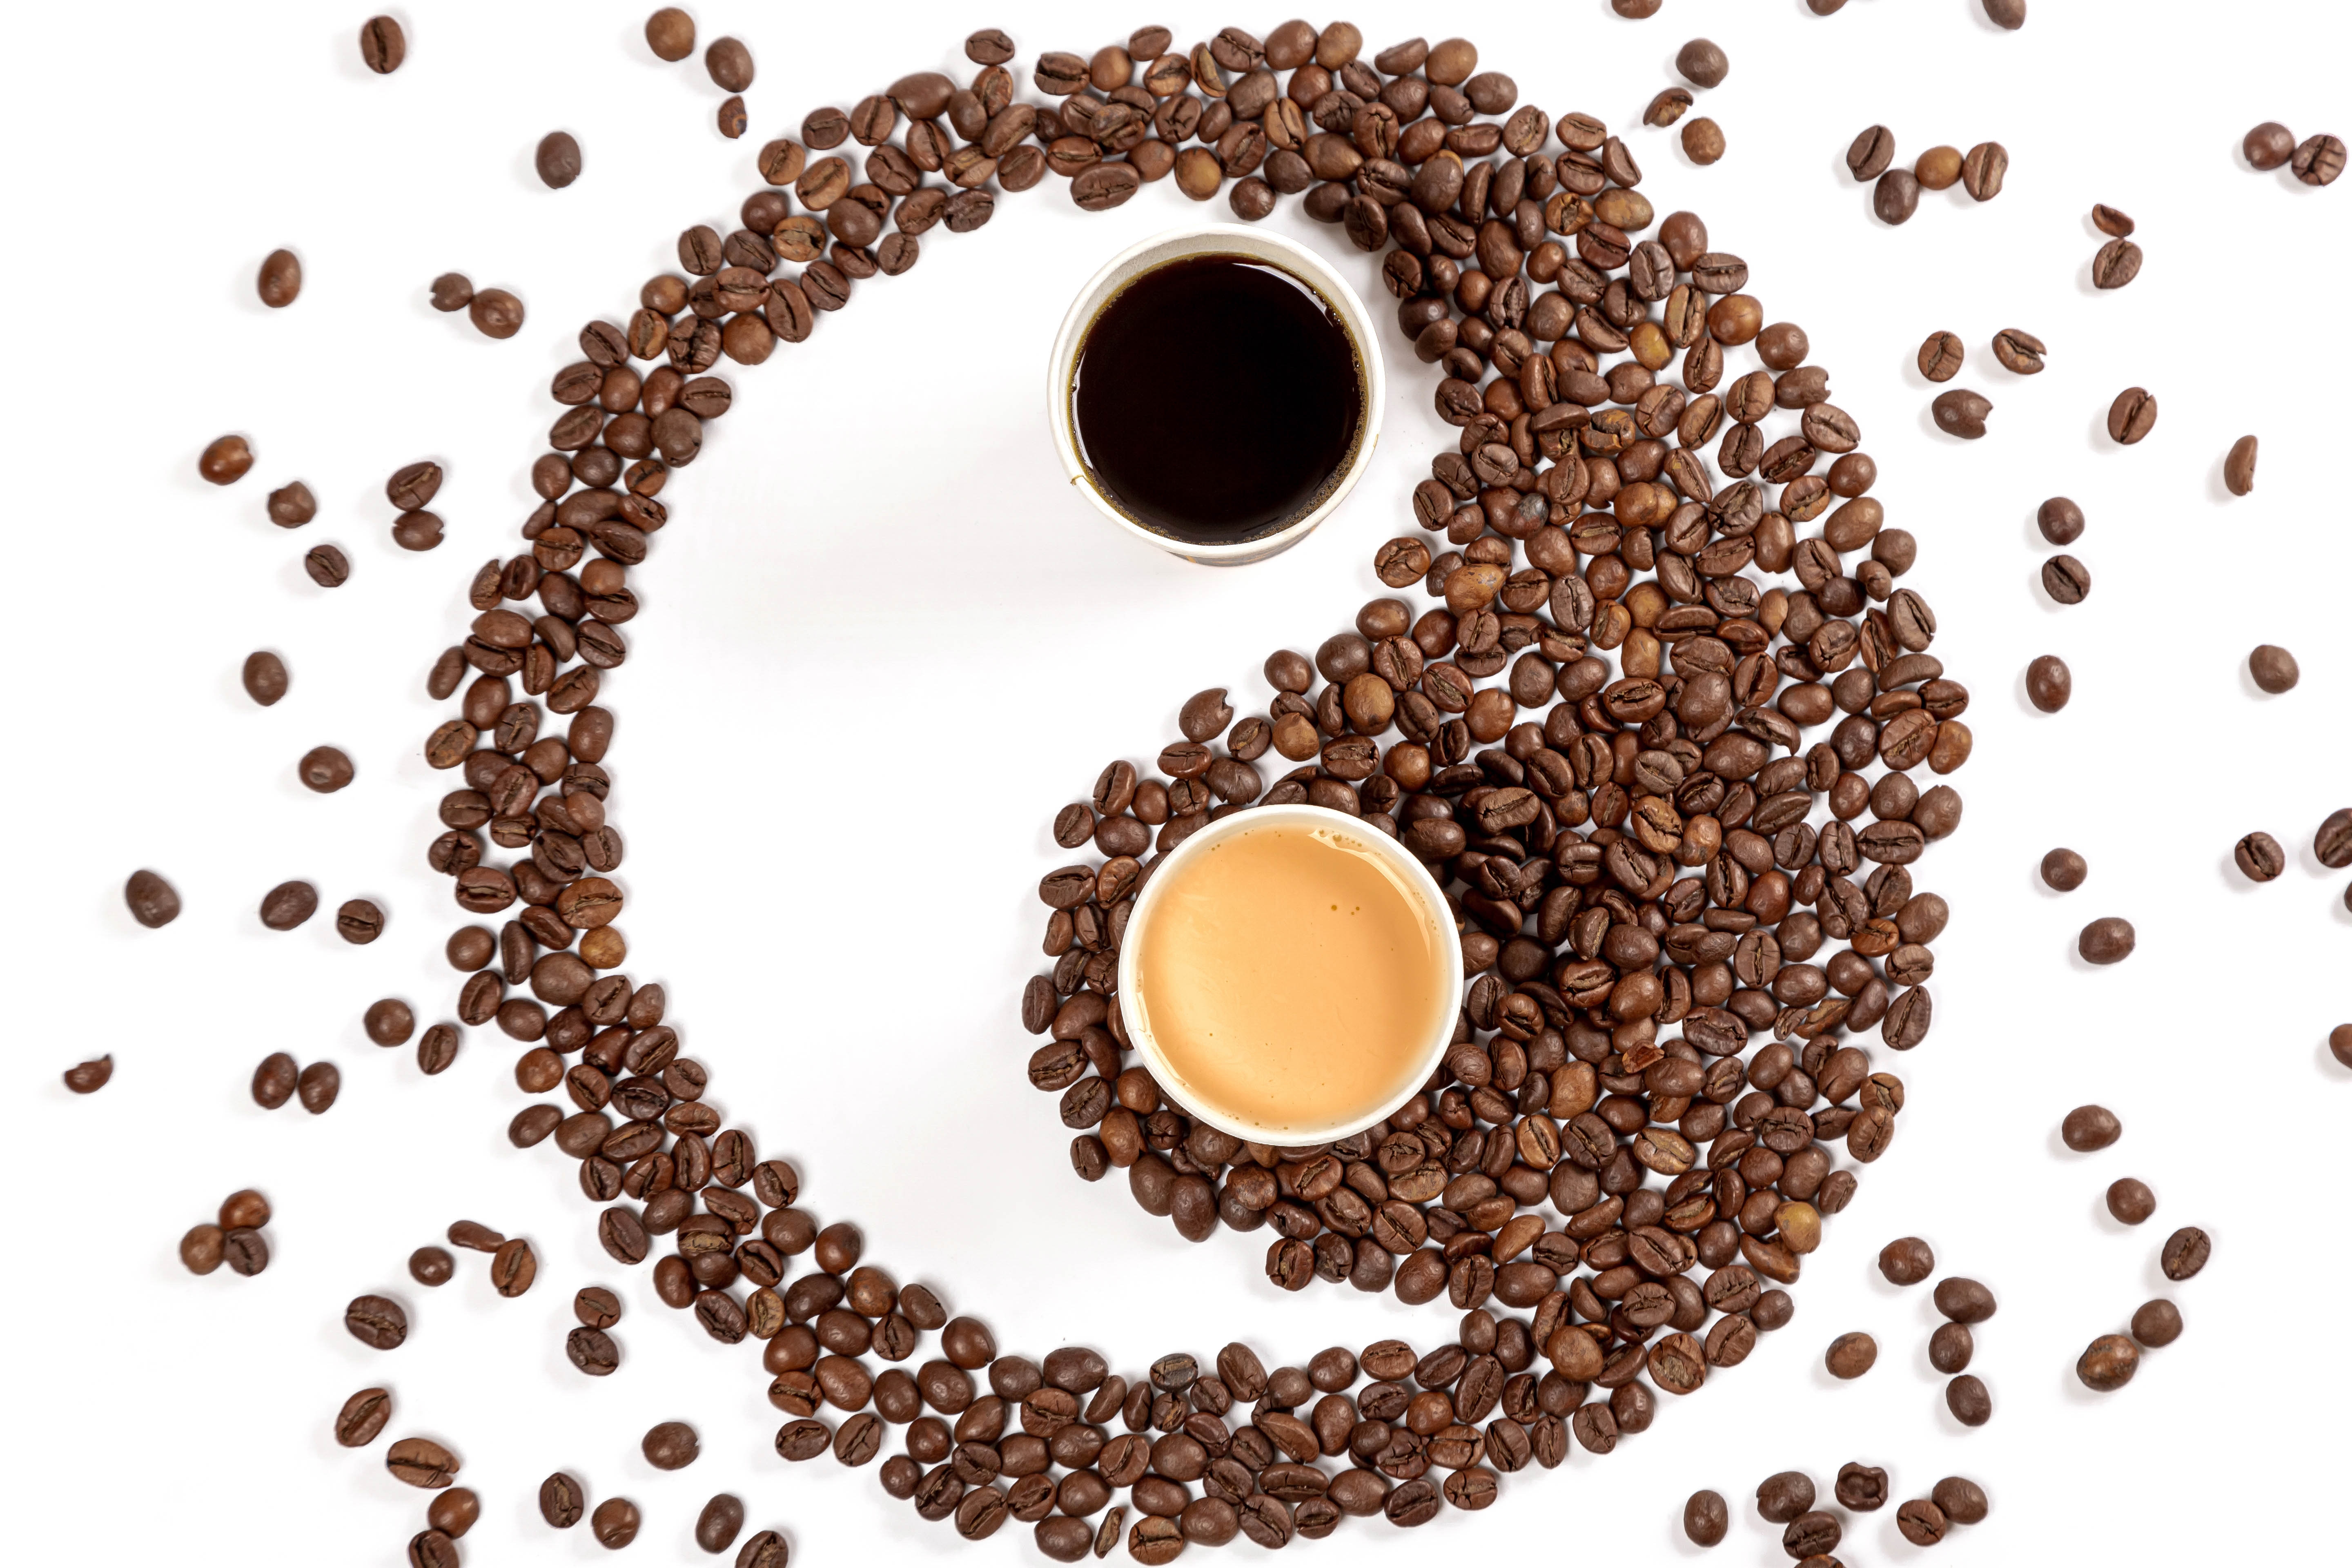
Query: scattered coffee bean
column 2020, row 352
column 452, row 291
column 1941, row 355
column 2157, row 1324
column 2131, row 417
column 244, row 1210
column 389, row 1022
column 1860, row 1486
column 292, row 505
column 592, row 1350
column 1703, row 63
column 2185, row 1252
column 513, row 1267
column 362, row 1416
column 767, row 1549
column 89, row 1077
column 2238, row 468
column 2333, row 842
column 718, row 1523
column 265, row 677
column 359, row 922
column 324, row 770
column 475, row 1236
column 200, row 1248
column 382, row 45
column 1871, row 154
column 1703, row 141
column 669, row 33
column 2112, row 220
column 2065, row 580
column 562, row 1501
column 1906, row 1261
column 2108, row 1364
column 1671, row 104
column 228, row 459
column 2008, row 13
column 614, row 1523
column 1964, row 1300
column 2260, row 857
column 2063, row 870
column 2269, row 145
column 1851, row 1354
column 245, row 1250
column 152, row 901
column 495, row 313
column 327, row 566
column 1961, row 412
column 1896, row 196
column 1984, row 171
column 729, row 65
column 2339, row 1041
column 454, row 1512
column 2129, row 1200
column 1922, row 1523
column 1950, row 1348
column 317, row 1086
column 1962, row 1500
column 431, row 1265
column 595, row 1307
column 2116, row 264
column 670, row 1445
column 280, row 279
column 557, row 159
column 2049, row 684
column 1783, row 1497
column 1632, row 11
column 2109, row 940
column 2090, row 1128
column 1706, row 1518
column 1968, row 1400
column 2060, row 520
column 289, row 904
column 376, row 1321
column 1938, row 169
column 2318, row 160
column 734, row 118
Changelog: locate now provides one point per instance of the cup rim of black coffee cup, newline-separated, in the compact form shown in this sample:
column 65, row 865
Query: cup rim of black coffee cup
column 1443, row 1012
column 1215, row 239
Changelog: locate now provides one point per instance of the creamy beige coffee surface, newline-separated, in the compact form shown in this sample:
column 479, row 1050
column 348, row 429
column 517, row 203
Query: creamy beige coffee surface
column 1290, row 978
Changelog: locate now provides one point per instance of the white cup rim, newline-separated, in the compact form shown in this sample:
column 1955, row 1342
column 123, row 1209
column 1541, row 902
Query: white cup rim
column 1212, row 239
column 1395, row 854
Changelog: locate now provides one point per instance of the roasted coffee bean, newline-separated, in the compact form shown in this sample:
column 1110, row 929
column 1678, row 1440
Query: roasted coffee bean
column 317, row 1086
column 2008, row 13
column 376, row 1321
column 1984, row 171
column 2065, row 580
column 557, row 159
column 670, row 1445
column 1921, row 1522
column 1783, row 1497
column 514, row 1268
column 2238, row 468
column 1950, row 1348
column 1703, row 140
column 1703, row 63
column 1906, row 1261
column 327, row 566
column 719, row 1523
column 431, row 1265
column 2020, row 352
column 2060, row 520
column 265, row 677
column 1961, row 1499
column 2333, row 843
column 2318, row 160
column 288, row 905
column 324, row 770
column 1896, row 196
column 1871, row 154
column 614, row 1523
column 421, row 1462
column 1963, row 1301
column 292, row 505
column 2131, row 417
column 245, row 1250
column 359, row 921
column 1851, row 1354
column 200, row 1248
column 2157, row 1324
column 2049, row 684
column 2129, row 1200
column 2185, row 1252
column 382, row 45
column 1940, row 356
column 592, row 1351
column 454, row 1512
column 89, row 1077
column 2269, row 145
column 1968, row 1400
column 729, row 65
column 1706, row 1518
column 152, row 901
column 562, row 1501
column 2108, row 1364
column 669, row 33
column 2116, row 264
column 2063, row 870
column 2109, row 940
column 362, row 1416
column 495, row 313
column 2090, row 1128
column 451, row 291
column 2259, row 857
column 1961, row 412
column 280, row 279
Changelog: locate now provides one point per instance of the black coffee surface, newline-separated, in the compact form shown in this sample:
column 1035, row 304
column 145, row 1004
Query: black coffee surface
column 1217, row 398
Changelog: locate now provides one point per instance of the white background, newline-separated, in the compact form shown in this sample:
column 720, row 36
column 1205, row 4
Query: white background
column 882, row 643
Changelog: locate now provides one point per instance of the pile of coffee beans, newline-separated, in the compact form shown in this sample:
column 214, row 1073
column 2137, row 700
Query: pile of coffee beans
column 235, row 1237
column 1894, row 191
column 2316, row 160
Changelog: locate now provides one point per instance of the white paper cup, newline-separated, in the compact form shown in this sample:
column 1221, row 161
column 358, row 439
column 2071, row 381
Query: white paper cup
column 1411, row 874
column 1212, row 239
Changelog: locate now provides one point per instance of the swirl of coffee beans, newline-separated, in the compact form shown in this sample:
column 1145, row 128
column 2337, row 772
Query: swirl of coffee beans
column 1595, row 737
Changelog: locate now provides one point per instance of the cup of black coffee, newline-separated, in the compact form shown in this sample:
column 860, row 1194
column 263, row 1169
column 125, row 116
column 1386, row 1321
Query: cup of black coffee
column 1216, row 393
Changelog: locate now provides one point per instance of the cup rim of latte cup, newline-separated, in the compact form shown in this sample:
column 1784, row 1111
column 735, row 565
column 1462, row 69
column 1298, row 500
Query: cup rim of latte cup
column 1213, row 240
column 1446, row 1010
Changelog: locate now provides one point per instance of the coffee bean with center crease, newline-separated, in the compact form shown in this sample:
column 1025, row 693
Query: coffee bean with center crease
column 2108, row 1364
column 2157, row 1324
column 377, row 1321
column 557, row 159
column 362, row 1416
column 359, row 922
column 562, row 1501
column 2131, row 417
column 2066, row 579
column 2185, row 1252
column 1906, row 1261
column 1968, row 1400
column 1871, row 154
column 2063, row 870
column 592, row 1351
column 2333, row 842
column 2108, row 940
column 1961, row 412
column 1921, row 1522
column 2259, row 857
column 2116, row 264
column 2318, row 160
column 327, row 566
column 244, row 1249
column 670, row 1445
column 382, row 45
column 317, row 1086
column 2090, row 1128
column 2049, row 684
column 1984, row 171
column 152, row 901
column 2020, row 352
column 513, row 1267
column 1941, row 355
column 89, row 1077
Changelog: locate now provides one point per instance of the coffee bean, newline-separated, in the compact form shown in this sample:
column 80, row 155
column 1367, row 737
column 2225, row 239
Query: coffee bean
column 2065, row 580
column 265, row 677
column 1961, row 412
column 1783, row 1497
column 89, row 1077
column 729, row 65
column 1871, row 153
column 2260, row 857
column 1706, row 1518
column 614, row 1523
column 2020, row 352
column 734, row 118
column 200, row 1248
column 2129, row 1200
column 2063, row 870
column 244, row 1210
column 2060, row 520
column 2131, row 417
column 2238, row 468
column 280, row 279
column 1635, row 10
column 454, row 1512
column 592, row 1351
column 2090, row 1128
column 767, row 1549
column 324, row 770
column 2008, row 13
column 152, row 901
column 1938, row 169
column 2107, row 940
column 1940, row 356
column 362, row 1416
column 1950, row 1348
column 1703, row 141
column 421, row 1462
column 2108, row 1364
column 244, row 1249
column 2049, row 684
column 2185, row 1252
column 292, row 505
column 1860, row 1486
column 1906, row 1261
column 1851, row 1354
column 317, row 1086
column 327, row 566
column 226, row 460
column 431, row 1265
column 382, row 45
column 2339, row 1041
column 2269, row 145
column 2333, row 842
column 557, row 159
column 389, row 1022
column 289, row 904
column 359, row 922
column 595, row 1307
column 721, row 1521
column 562, row 1501
column 1961, row 1499
column 1968, row 1400
column 1921, row 1522
column 1671, row 104
column 495, row 313
column 451, row 291
column 1984, row 171
column 2157, row 1324
column 670, row 1445
column 2318, row 160
column 1702, row 63
column 513, row 1267
column 2116, row 264
column 669, row 33
column 376, row 1321
column 1964, row 1300
column 1896, row 196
